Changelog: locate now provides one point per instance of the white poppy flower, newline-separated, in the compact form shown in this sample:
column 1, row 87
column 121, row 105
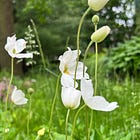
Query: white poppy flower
column 18, row 97
column 95, row 102
column 68, row 64
column 97, row 5
column 15, row 47
column 67, row 81
column 70, row 97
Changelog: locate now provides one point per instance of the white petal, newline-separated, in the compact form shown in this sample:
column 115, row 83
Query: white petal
column 99, row 103
column 67, row 81
column 24, row 55
column 70, row 97
column 18, row 97
column 86, row 88
column 20, row 45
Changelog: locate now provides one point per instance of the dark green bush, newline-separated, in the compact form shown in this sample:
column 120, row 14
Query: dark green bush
column 125, row 59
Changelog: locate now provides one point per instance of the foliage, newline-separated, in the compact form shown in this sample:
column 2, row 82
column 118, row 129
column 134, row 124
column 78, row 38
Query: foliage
column 125, row 58
column 57, row 21
column 121, row 124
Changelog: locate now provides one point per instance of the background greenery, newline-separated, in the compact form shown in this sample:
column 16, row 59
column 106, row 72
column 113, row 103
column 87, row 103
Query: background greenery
column 118, row 70
column 57, row 22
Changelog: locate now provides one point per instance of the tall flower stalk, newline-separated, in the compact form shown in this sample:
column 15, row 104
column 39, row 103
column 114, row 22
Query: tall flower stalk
column 78, row 39
column 53, row 104
column 95, row 22
column 66, row 125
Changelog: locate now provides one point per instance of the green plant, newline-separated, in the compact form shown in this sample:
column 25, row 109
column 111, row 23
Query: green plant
column 125, row 58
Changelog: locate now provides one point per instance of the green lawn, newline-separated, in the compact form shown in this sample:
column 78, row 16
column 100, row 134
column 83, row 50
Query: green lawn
column 120, row 124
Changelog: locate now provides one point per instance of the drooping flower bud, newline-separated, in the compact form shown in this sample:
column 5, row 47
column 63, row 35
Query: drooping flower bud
column 99, row 35
column 97, row 5
column 95, row 19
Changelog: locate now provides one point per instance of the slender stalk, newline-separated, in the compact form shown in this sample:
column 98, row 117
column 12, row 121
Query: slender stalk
column 7, row 94
column 75, row 118
column 78, row 41
column 39, row 44
column 9, row 85
column 53, row 104
column 95, row 89
column 96, row 64
column 28, row 119
column 90, row 125
column 66, row 125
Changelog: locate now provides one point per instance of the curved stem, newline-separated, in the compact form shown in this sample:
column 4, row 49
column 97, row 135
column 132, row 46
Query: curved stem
column 75, row 118
column 66, row 126
column 53, row 104
column 78, row 41
column 39, row 44
column 85, row 56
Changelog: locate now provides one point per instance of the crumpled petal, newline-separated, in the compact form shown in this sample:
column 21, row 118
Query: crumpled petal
column 70, row 97
column 95, row 102
column 86, row 88
column 68, row 64
column 99, row 103
column 67, row 81
column 18, row 97
column 20, row 45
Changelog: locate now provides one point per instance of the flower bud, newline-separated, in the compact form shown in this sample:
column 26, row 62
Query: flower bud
column 70, row 97
column 95, row 19
column 97, row 5
column 99, row 35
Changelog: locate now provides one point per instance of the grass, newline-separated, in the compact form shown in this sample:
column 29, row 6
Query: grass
column 121, row 124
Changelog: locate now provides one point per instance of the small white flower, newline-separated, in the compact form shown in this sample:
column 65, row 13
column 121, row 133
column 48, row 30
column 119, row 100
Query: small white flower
column 68, row 64
column 97, row 5
column 70, row 97
column 95, row 102
column 15, row 47
column 18, row 97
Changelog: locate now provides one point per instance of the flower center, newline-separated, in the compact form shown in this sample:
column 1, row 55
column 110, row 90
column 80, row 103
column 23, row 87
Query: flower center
column 14, row 51
column 66, row 70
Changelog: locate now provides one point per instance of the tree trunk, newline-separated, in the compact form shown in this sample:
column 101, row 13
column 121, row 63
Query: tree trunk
column 6, row 29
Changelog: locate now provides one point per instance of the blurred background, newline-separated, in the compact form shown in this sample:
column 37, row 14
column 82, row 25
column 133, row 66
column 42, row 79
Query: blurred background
column 57, row 22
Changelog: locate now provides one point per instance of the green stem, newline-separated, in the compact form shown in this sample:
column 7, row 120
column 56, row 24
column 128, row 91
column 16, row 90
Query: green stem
column 95, row 89
column 96, row 65
column 37, row 137
column 9, row 85
column 39, row 44
column 66, row 126
column 28, row 119
column 85, row 56
column 90, row 125
column 53, row 104
column 75, row 118
column 7, row 94
column 78, row 41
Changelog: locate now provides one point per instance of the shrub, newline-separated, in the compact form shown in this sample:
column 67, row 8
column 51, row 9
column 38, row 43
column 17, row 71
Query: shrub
column 125, row 59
